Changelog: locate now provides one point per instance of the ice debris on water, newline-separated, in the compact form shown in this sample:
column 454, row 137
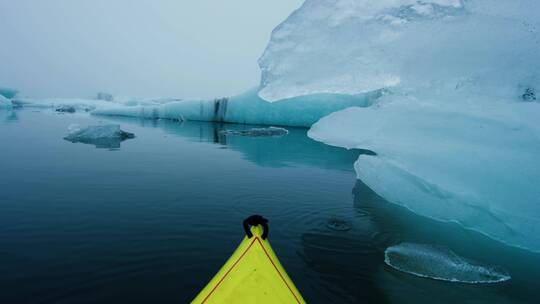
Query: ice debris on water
column 104, row 136
column 529, row 95
column 257, row 132
column 441, row 263
column 65, row 109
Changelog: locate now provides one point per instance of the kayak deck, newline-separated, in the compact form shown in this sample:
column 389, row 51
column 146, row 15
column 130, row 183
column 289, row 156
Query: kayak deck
column 253, row 274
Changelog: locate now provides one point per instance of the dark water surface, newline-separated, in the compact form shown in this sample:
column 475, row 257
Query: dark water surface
column 153, row 221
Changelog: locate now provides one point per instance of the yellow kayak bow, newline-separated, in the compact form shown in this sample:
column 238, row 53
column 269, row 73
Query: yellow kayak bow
column 253, row 273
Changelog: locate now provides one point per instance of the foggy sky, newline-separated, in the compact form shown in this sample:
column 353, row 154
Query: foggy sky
column 145, row 48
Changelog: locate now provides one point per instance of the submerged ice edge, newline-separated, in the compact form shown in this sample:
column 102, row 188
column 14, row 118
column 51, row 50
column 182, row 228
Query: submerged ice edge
column 476, row 169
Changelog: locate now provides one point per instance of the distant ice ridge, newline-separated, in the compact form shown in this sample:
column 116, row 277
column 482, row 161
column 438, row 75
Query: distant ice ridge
column 441, row 263
column 246, row 108
column 87, row 105
column 456, row 130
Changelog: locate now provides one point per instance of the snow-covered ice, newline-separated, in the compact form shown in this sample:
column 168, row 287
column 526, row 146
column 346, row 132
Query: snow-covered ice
column 351, row 47
column 104, row 136
column 441, row 263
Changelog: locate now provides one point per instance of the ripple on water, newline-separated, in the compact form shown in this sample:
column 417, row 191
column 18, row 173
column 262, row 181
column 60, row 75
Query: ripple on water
column 441, row 263
column 338, row 224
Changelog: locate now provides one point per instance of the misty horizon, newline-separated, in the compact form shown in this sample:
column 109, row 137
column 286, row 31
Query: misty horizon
column 163, row 48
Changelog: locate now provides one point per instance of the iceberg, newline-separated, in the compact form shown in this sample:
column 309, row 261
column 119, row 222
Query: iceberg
column 476, row 164
column 5, row 103
column 105, row 136
column 454, row 128
column 246, row 108
column 8, row 93
column 441, row 263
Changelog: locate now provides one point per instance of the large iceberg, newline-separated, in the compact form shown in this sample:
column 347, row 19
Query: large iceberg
column 455, row 128
column 246, row 108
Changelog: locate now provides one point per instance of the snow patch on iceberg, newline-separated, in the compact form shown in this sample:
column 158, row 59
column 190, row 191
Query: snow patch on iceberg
column 441, row 263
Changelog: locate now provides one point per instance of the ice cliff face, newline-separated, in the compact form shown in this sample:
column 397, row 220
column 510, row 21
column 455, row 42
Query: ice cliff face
column 456, row 131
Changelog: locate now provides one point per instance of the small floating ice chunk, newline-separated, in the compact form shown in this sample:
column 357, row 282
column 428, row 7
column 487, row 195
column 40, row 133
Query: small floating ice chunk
column 65, row 109
column 338, row 224
column 529, row 95
column 257, row 132
column 105, row 136
column 440, row 263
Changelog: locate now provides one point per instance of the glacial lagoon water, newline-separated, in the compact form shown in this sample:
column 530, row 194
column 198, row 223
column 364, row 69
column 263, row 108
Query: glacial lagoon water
column 152, row 221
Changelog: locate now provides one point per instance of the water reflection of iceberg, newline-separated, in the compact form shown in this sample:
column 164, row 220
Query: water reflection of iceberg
column 11, row 116
column 293, row 149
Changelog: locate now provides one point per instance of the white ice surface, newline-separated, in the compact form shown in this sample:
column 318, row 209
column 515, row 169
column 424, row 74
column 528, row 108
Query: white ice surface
column 351, row 47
